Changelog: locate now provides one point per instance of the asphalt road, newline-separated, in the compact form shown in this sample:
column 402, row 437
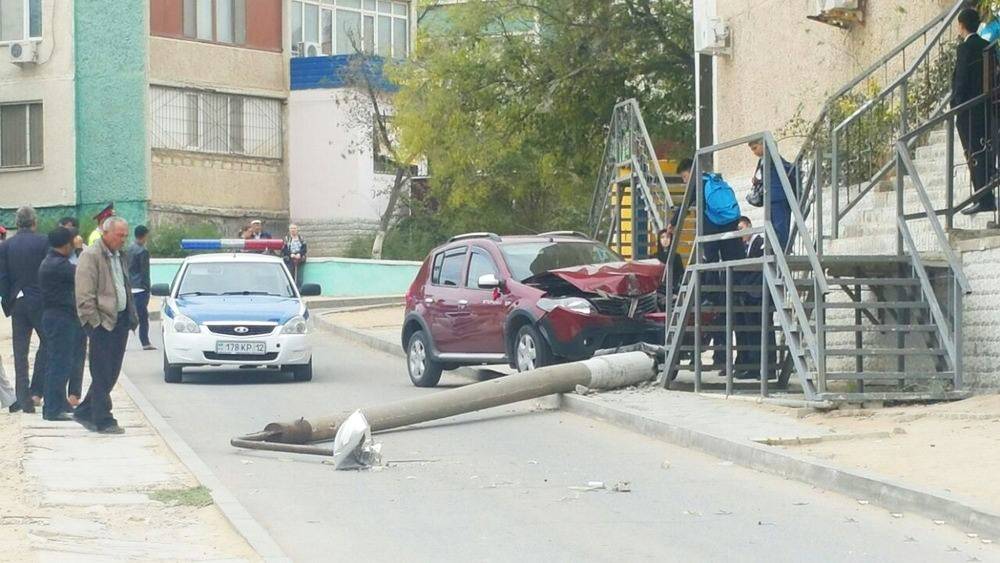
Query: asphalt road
column 496, row 485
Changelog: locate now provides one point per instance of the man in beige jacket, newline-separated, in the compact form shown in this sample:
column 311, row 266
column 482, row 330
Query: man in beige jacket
column 107, row 313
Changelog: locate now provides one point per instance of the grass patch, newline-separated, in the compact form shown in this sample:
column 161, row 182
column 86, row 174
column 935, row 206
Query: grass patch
column 197, row 497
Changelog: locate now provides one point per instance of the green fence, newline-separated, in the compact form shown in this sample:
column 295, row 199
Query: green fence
column 339, row 277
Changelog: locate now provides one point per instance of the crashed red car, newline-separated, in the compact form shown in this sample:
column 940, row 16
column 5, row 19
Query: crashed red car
column 527, row 301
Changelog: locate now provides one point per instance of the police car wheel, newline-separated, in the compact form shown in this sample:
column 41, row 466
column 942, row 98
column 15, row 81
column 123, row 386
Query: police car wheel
column 171, row 373
column 423, row 370
column 303, row 372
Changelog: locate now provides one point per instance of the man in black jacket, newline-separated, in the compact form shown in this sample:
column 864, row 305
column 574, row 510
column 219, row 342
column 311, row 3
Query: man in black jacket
column 966, row 84
column 20, row 257
column 59, row 321
column 138, row 274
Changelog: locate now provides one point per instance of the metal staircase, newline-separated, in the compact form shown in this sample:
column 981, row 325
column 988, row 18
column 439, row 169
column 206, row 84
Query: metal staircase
column 846, row 327
column 632, row 196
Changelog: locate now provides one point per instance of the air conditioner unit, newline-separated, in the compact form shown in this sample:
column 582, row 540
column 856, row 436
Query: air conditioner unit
column 23, row 52
column 714, row 38
column 309, row 49
column 841, row 13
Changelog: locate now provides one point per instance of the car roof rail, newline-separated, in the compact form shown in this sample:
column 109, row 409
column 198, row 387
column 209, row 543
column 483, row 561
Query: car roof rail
column 492, row 236
column 577, row 234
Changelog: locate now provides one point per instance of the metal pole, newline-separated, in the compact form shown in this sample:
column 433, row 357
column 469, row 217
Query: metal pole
column 765, row 174
column 699, row 231
column 765, row 319
column 697, row 331
column 729, row 331
column 603, row 372
column 834, row 185
column 904, row 108
column 949, row 171
column 820, row 314
column 958, row 299
column 899, row 199
column 859, row 362
column 818, row 187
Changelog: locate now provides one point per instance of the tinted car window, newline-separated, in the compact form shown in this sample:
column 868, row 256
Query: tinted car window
column 480, row 264
column 532, row 258
column 436, row 270
column 451, row 269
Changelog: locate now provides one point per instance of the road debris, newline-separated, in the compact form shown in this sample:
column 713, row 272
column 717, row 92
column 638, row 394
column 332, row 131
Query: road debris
column 863, row 502
column 353, row 447
column 590, row 486
column 665, row 464
column 896, row 515
column 622, row 487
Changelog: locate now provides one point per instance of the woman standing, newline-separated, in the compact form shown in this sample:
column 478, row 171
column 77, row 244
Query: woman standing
column 294, row 252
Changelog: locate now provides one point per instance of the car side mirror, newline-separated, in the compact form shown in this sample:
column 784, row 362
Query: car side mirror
column 310, row 290
column 160, row 289
column 490, row 281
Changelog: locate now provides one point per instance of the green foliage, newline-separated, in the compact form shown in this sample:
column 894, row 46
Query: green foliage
column 413, row 237
column 508, row 101
column 197, row 497
column 359, row 246
column 165, row 241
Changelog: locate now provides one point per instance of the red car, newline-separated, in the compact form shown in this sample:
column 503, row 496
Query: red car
column 527, row 301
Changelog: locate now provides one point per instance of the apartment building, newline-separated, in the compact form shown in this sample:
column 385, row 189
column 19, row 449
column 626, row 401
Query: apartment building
column 174, row 110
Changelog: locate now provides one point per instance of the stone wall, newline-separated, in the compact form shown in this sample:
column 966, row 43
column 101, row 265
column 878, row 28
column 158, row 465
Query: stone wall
column 981, row 258
column 331, row 237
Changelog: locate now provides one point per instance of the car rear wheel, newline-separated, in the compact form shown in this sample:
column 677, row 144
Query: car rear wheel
column 531, row 351
column 171, row 372
column 303, row 372
column 424, row 371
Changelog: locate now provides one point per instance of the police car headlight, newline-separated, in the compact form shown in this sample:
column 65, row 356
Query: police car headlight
column 295, row 325
column 185, row 325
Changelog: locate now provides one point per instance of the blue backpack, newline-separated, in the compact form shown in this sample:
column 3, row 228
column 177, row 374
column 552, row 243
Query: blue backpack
column 721, row 207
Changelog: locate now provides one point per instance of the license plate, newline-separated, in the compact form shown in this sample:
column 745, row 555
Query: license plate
column 241, row 348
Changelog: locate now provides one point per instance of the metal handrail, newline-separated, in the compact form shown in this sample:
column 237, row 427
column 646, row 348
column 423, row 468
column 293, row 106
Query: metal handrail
column 940, row 323
column 903, row 156
column 938, row 119
column 948, row 18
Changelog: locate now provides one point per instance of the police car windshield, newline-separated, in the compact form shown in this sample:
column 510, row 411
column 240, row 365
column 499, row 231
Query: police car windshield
column 529, row 259
column 235, row 278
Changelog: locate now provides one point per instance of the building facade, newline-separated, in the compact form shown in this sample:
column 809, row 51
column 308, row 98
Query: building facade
column 174, row 110
column 339, row 177
column 781, row 65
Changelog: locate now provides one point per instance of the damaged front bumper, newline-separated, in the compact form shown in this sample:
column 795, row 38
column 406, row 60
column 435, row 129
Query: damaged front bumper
column 575, row 336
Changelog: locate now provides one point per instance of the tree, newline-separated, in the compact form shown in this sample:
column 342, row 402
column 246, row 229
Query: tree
column 508, row 100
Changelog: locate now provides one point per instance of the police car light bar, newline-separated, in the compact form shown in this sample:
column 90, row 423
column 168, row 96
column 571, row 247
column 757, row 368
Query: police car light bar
column 232, row 244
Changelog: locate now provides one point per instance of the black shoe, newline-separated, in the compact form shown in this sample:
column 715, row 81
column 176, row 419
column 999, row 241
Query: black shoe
column 61, row 417
column 980, row 207
column 84, row 422
column 16, row 407
column 112, row 429
column 28, row 408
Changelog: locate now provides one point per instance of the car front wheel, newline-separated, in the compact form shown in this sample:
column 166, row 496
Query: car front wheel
column 424, row 371
column 171, row 372
column 531, row 351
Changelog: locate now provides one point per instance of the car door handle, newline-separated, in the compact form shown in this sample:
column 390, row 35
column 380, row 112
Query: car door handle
column 429, row 300
column 463, row 302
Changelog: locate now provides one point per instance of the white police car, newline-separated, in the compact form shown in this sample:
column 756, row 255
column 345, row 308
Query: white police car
column 234, row 310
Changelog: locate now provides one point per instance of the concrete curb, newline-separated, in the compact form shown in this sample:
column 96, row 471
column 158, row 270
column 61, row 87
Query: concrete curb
column 373, row 342
column 873, row 488
column 861, row 485
column 255, row 534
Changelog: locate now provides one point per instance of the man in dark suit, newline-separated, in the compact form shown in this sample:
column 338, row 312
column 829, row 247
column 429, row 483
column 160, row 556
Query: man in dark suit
column 966, row 84
column 20, row 257
column 749, row 335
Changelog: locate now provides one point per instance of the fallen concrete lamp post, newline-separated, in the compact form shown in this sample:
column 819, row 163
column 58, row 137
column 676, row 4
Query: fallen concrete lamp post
column 351, row 431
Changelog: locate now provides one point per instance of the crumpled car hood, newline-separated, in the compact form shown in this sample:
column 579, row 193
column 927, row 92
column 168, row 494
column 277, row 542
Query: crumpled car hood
column 615, row 278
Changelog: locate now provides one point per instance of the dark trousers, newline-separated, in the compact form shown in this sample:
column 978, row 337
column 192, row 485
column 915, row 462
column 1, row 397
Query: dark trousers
column 719, row 251
column 76, row 374
column 27, row 318
column 62, row 337
column 142, row 308
column 972, row 129
column 751, row 356
column 107, row 350
column 781, row 220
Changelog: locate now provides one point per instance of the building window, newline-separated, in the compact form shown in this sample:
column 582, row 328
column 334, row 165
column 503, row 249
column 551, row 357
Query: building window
column 20, row 19
column 375, row 27
column 20, row 135
column 221, row 21
column 211, row 122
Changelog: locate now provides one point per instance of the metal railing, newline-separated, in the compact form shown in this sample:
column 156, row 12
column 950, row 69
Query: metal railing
column 774, row 253
column 849, row 146
column 628, row 149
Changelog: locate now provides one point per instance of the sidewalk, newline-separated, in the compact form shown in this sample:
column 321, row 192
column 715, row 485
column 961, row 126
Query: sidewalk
column 67, row 494
column 937, row 460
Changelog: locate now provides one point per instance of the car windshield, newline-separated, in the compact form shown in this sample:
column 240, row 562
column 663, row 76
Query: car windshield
column 529, row 259
column 235, row 278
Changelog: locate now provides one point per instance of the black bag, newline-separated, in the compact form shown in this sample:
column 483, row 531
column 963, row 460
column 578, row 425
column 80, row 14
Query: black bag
column 756, row 195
